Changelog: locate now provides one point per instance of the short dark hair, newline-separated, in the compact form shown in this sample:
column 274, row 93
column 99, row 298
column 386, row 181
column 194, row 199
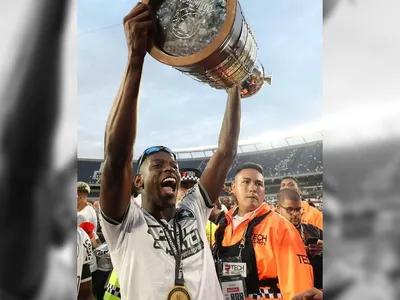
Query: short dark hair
column 288, row 194
column 250, row 165
column 290, row 177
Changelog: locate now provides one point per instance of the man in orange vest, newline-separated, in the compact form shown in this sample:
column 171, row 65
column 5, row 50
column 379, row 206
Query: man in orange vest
column 289, row 207
column 310, row 215
column 259, row 254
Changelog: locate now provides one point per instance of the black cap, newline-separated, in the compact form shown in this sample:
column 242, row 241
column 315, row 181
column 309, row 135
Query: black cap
column 190, row 174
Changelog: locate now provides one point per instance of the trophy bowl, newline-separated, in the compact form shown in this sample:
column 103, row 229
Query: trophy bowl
column 208, row 40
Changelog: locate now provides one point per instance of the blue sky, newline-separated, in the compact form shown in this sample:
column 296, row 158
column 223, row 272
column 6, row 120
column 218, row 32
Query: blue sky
column 179, row 112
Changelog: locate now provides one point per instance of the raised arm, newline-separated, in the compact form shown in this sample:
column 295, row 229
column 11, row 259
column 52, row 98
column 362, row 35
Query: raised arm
column 121, row 126
column 214, row 175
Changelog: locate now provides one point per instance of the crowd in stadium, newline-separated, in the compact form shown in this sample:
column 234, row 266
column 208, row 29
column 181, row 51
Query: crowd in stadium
column 159, row 229
column 292, row 160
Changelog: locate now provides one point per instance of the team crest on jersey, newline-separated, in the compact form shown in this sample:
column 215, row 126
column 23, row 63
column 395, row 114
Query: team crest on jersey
column 183, row 214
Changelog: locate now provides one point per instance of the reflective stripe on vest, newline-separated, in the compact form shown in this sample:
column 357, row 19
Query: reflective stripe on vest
column 113, row 291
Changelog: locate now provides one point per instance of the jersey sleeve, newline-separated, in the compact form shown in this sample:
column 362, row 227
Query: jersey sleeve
column 295, row 272
column 198, row 200
column 113, row 231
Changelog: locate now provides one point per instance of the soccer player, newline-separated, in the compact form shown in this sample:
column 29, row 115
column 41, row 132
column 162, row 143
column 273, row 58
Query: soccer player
column 159, row 250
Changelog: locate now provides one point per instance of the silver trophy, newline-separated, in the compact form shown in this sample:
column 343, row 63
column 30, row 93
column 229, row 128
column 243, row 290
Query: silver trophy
column 210, row 41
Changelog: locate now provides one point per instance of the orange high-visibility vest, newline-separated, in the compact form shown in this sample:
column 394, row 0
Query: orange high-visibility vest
column 311, row 215
column 279, row 251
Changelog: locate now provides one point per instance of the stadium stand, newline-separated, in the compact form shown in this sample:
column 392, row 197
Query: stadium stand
column 303, row 161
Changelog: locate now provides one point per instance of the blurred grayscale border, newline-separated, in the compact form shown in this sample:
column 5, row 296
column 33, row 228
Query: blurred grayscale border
column 38, row 149
column 38, row 91
column 361, row 149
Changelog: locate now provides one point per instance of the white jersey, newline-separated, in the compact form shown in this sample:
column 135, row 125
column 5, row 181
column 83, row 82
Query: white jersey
column 143, row 259
column 88, row 214
column 84, row 256
column 138, row 200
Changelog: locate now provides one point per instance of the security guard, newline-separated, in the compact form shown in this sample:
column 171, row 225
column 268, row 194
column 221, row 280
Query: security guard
column 259, row 254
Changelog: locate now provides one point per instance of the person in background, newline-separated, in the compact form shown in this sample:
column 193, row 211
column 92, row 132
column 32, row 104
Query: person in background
column 310, row 215
column 113, row 290
column 311, row 204
column 271, row 206
column 217, row 213
column 224, row 208
column 86, row 212
column 96, row 206
column 104, row 268
column 271, row 248
column 87, row 219
column 289, row 206
column 84, row 275
column 233, row 202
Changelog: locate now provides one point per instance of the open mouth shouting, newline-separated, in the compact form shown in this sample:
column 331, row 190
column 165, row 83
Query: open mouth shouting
column 168, row 185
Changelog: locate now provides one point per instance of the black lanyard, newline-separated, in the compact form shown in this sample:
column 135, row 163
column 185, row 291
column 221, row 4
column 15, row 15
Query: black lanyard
column 175, row 242
column 243, row 240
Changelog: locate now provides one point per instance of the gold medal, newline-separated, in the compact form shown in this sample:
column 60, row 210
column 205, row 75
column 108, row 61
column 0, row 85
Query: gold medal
column 178, row 293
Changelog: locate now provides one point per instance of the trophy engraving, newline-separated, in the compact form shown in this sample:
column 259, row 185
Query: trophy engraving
column 188, row 26
column 187, row 20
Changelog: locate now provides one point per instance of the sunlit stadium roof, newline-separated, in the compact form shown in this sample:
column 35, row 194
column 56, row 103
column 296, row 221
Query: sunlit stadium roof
column 266, row 142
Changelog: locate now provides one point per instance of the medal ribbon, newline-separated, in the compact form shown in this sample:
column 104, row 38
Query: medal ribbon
column 175, row 242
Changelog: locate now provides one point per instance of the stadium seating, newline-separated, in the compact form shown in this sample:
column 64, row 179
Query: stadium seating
column 302, row 161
